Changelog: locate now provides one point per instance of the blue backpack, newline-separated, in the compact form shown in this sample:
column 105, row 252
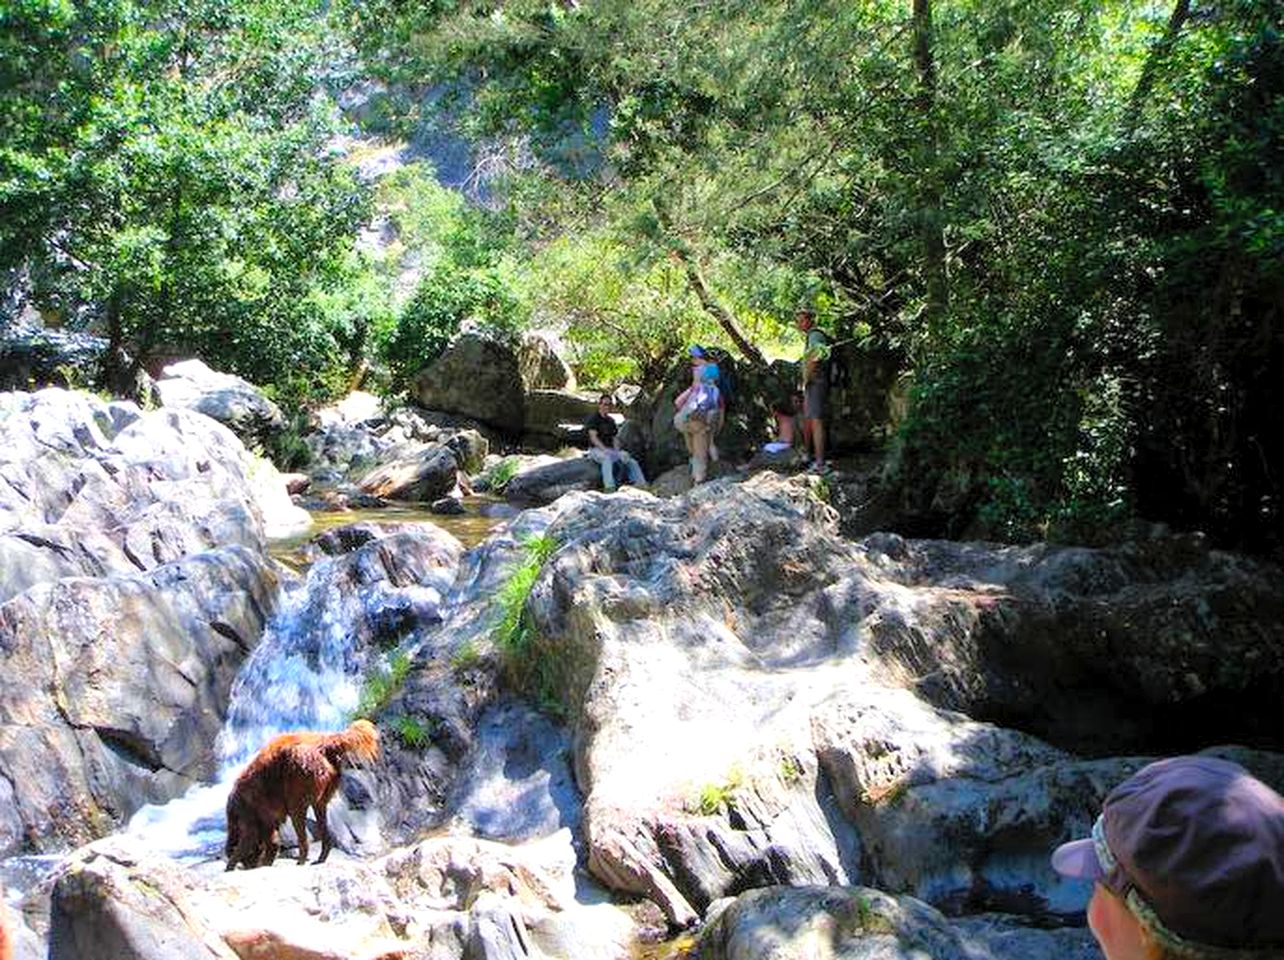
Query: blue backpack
column 726, row 373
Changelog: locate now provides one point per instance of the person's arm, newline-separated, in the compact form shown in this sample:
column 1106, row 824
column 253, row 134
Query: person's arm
column 680, row 400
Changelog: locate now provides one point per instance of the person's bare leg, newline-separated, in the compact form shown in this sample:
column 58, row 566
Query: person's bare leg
column 699, row 453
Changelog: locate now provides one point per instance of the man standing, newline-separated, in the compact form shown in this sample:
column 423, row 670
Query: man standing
column 815, row 385
column 604, row 445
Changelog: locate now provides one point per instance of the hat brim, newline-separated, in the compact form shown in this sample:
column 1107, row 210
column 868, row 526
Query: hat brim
column 1078, row 858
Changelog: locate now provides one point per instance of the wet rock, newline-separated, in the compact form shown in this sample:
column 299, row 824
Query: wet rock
column 448, row 506
column 444, row 899
column 113, row 690
column 549, row 481
column 749, row 690
column 427, row 476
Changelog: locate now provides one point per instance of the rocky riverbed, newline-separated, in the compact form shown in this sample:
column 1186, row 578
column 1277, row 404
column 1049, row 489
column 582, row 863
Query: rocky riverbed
column 723, row 717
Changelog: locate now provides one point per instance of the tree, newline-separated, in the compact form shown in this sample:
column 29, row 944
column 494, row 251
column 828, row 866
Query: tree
column 167, row 179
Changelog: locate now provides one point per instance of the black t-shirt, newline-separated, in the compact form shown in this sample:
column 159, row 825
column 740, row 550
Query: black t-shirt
column 605, row 426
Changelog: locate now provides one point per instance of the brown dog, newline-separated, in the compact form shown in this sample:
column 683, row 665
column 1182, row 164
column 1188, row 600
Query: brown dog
column 293, row 772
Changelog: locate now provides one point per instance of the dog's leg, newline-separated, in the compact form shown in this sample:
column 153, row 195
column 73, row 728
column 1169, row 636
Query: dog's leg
column 323, row 828
column 271, row 846
column 299, row 818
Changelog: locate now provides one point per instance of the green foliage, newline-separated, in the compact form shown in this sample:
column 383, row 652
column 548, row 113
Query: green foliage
column 412, row 731
column 528, row 662
column 288, row 450
column 467, row 276
column 164, row 178
column 712, row 798
column 498, row 476
column 382, row 682
column 466, row 656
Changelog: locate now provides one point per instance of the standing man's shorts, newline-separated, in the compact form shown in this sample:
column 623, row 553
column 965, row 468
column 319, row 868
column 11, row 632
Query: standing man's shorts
column 815, row 399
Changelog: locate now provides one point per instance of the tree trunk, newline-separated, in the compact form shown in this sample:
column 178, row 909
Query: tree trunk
column 1158, row 54
column 717, row 310
column 931, row 217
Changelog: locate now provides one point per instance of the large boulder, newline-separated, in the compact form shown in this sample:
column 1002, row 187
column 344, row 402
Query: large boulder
column 113, row 690
column 95, row 489
column 549, row 481
column 748, row 416
column 478, row 377
column 541, row 357
column 854, row 923
column 431, row 473
column 756, row 700
column 133, row 582
column 237, row 404
column 555, row 418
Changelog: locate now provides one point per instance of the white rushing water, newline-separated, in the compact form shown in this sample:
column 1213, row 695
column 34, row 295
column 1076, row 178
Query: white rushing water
column 305, row 674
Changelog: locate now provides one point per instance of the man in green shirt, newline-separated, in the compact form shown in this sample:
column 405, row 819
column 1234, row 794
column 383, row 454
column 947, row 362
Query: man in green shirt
column 815, row 384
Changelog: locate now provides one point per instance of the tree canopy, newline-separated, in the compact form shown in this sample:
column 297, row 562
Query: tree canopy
column 1061, row 217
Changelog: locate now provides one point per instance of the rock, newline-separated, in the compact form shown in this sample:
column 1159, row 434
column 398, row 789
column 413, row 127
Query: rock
column 470, row 448
column 113, row 690
column 296, row 483
column 543, row 366
column 428, row 476
column 858, row 923
column 233, row 402
column 477, row 377
column 110, row 905
column 32, row 357
column 748, row 418
column 750, row 692
column 448, row 506
column 444, row 899
column 555, row 418
column 94, row 489
column 549, row 481
column 357, row 407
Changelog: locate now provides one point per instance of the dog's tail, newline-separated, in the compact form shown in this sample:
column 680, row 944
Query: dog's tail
column 358, row 744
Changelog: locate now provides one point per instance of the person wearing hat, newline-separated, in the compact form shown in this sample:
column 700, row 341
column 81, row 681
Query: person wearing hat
column 1187, row 858
column 698, row 407
column 815, row 384
column 700, row 357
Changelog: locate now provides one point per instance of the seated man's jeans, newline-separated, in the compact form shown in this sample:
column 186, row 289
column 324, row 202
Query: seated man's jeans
column 606, row 460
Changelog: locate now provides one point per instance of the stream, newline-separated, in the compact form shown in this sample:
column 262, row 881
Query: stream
column 302, row 675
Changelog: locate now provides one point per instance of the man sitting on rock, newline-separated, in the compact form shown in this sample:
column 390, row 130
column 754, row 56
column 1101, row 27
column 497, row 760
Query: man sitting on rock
column 604, row 445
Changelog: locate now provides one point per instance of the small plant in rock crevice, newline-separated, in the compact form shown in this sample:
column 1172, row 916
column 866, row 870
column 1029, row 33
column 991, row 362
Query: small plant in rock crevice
column 502, row 472
column 712, row 798
column 412, row 731
column 381, row 683
column 526, row 659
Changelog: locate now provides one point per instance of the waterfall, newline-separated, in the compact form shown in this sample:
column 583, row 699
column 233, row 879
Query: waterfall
column 305, row 674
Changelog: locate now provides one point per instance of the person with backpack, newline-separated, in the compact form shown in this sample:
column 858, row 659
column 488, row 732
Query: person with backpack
column 815, row 384
column 699, row 357
column 698, row 410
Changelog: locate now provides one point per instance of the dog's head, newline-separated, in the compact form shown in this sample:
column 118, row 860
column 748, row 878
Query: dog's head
column 363, row 740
